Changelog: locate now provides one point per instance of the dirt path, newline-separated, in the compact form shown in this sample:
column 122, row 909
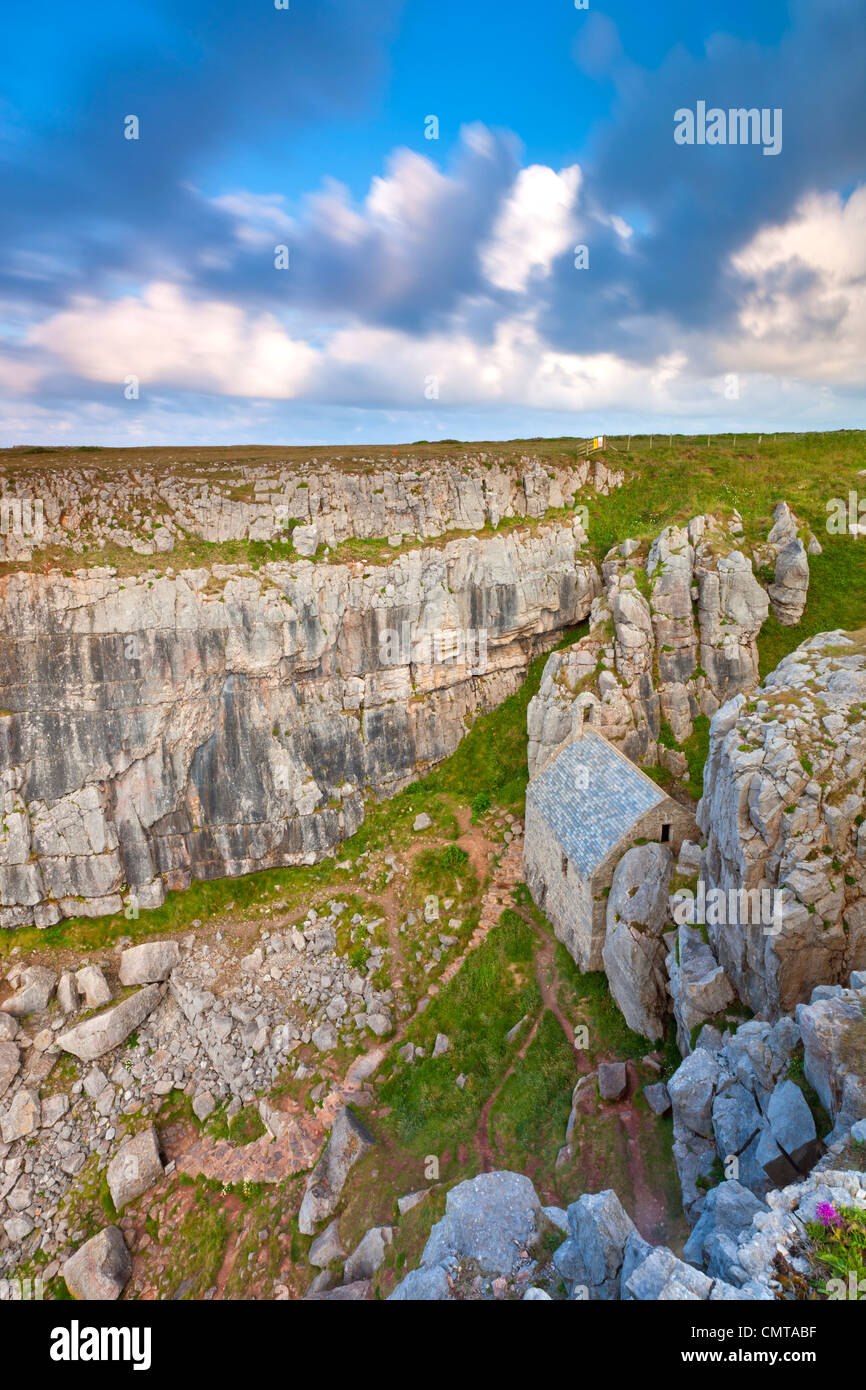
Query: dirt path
column 649, row 1213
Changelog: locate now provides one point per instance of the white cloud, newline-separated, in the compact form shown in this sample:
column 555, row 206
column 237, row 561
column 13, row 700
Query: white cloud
column 803, row 308
column 536, row 225
column 165, row 338
column 258, row 217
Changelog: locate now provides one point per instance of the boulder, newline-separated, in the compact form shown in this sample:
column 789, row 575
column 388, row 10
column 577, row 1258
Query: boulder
column 327, row 1248
column 488, row 1219
column 93, row 986
column 100, row 1269
column 657, row 1098
column 135, row 1167
column 427, row 1284
column 148, row 963
column 692, row 1090
column 305, row 539
column 98, row 1035
column 790, row 585
column 728, row 1211
column 349, row 1140
column 663, row 1277
column 23, row 1116
column 325, row 1037
column 592, row 1257
column 790, row 1119
column 67, row 993
column 10, row 1060
column 612, row 1080
column 368, row 1255
column 634, row 952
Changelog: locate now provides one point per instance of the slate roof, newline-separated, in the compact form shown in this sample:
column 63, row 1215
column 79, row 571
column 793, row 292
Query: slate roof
column 588, row 823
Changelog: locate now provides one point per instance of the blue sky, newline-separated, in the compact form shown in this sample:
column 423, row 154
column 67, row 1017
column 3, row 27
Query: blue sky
column 432, row 288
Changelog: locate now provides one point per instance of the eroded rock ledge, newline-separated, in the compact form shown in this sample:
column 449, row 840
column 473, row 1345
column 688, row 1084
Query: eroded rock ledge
column 216, row 722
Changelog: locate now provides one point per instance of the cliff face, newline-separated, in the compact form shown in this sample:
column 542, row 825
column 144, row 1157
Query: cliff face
column 783, row 810
column 673, row 636
column 148, row 511
column 220, row 721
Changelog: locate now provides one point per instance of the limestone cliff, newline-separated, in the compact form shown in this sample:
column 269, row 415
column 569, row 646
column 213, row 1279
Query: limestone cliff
column 673, row 636
column 783, row 810
column 221, row 720
column 149, row 511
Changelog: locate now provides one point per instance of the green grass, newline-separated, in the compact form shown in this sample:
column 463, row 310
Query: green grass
column 589, row 994
column 475, row 1010
column 838, row 1250
column 531, row 1112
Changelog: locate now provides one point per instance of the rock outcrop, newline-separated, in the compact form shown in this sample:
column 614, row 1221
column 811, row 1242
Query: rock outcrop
column 672, row 637
column 782, row 811
column 215, row 722
column 349, row 1140
column 634, row 951
column 325, row 503
column 100, row 1269
column 737, row 1105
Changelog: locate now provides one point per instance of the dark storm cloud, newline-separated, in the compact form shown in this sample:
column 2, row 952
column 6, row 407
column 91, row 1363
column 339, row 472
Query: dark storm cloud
column 700, row 204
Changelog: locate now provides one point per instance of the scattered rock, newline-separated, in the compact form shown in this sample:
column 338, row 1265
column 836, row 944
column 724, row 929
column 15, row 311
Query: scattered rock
column 135, row 1167
column 100, row 1270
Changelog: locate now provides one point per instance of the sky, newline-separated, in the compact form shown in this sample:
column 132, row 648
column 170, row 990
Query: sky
column 376, row 221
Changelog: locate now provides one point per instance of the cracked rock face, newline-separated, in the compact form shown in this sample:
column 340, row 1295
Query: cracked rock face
column 634, row 952
column 219, row 722
column 673, row 636
column 781, row 810
column 270, row 500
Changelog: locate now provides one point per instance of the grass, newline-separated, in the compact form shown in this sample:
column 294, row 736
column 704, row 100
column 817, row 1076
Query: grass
column 588, row 995
column 491, row 992
column 531, row 1112
column 838, row 1251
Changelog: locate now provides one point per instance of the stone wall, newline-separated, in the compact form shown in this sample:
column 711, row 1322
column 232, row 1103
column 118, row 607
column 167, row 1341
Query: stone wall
column 576, row 906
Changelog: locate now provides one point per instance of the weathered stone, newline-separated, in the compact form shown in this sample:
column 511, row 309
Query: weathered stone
column 327, row 1248
column 33, row 995
column 348, row 1142
column 67, row 993
column 593, row 1256
column 634, row 953
column 612, row 1080
column 10, row 1060
column 100, row 1269
column 22, row 1116
column 488, row 1219
column 92, row 984
column 368, row 1255
column 135, row 1167
column 98, row 1035
column 657, row 1098
column 148, row 963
